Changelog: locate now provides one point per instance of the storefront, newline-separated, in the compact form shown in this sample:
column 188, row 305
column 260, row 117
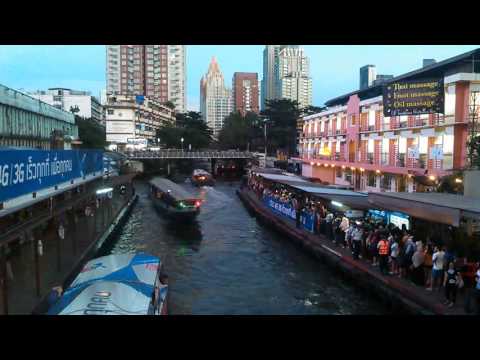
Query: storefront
column 390, row 217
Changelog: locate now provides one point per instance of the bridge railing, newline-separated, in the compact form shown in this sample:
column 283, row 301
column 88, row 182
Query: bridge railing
column 179, row 154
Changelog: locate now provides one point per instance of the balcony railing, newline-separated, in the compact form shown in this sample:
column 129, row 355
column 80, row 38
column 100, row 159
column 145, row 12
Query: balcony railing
column 384, row 159
column 400, row 160
column 370, row 158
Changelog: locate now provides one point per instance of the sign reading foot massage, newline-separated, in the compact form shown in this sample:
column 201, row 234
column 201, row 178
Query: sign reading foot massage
column 26, row 171
column 413, row 97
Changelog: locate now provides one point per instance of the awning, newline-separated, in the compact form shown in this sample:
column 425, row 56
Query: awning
column 347, row 198
column 436, row 207
column 277, row 177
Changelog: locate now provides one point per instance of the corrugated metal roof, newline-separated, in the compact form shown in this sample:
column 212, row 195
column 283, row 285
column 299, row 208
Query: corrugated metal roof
column 439, row 199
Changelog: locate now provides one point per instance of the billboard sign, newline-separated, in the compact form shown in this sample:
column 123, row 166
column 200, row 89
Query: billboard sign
column 26, row 171
column 120, row 127
column 413, row 97
column 413, row 152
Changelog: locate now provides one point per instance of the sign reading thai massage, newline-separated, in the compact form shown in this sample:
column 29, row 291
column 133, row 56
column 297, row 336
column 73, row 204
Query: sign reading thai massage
column 26, row 171
column 414, row 97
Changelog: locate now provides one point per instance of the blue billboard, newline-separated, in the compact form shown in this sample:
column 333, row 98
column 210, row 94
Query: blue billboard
column 27, row 171
column 307, row 220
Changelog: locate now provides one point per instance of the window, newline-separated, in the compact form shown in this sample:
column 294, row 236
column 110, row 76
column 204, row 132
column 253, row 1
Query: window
column 387, row 182
column 110, row 111
column 372, row 179
column 339, row 172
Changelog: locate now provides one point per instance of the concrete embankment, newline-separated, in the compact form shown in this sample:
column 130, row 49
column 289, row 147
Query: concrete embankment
column 397, row 295
column 91, row 252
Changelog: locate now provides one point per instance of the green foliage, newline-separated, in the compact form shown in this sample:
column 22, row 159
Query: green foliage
column 191, row 127
column 448, row 185
column 75, row 109
column 170, row 105
column 310, row 110
column 473, row 146
column 91, row 133
column 241, row 132
column 282, row 118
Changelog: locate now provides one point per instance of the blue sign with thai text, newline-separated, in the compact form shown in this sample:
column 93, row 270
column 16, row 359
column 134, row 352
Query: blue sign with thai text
column 27, row 171
column 307, row 220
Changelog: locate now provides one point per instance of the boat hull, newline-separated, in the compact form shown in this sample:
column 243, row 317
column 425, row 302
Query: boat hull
column 175, row 214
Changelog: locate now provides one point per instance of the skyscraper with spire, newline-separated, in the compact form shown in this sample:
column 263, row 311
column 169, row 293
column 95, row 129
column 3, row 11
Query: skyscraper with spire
column 216, row 101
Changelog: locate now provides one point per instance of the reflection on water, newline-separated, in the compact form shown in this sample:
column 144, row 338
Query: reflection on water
column 227, row 263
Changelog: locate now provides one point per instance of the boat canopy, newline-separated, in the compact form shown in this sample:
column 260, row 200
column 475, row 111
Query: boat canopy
column 198, row 172
column 112, row 285
column 167, row 186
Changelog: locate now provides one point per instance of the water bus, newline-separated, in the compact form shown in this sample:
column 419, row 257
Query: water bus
column 173, row 200
column 201, row 177
column 126, row 284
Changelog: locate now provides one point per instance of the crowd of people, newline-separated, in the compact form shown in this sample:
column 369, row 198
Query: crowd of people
column 395, row 251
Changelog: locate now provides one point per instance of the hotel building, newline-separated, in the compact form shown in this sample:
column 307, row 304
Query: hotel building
column 352, row 143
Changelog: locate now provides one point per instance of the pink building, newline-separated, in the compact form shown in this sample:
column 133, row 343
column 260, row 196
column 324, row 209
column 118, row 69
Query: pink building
column 352, row 143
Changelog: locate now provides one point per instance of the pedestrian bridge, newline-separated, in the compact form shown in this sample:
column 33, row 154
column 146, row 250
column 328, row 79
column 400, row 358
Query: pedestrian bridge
column 180, row 154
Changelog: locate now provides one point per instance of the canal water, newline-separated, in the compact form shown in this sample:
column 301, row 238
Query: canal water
column 228, row 263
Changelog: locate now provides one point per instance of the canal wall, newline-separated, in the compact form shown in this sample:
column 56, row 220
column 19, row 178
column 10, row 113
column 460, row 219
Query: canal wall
column 112, row 230
column 400, row 298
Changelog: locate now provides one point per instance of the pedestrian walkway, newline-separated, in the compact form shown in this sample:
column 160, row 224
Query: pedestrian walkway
column 412, row 292
column 57, row 257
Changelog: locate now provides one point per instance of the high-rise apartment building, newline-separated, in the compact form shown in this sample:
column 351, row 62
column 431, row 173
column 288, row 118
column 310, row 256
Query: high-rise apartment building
column 368, row 74
column 215, row 99
column 155, row 71
column 177, row 69
column 428, row 62
column 381, row 79
column 245, row 92
column 293, row 76
column 270, row 61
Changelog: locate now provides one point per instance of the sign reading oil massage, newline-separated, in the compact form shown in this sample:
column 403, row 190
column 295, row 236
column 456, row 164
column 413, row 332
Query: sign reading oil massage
column 413, row 97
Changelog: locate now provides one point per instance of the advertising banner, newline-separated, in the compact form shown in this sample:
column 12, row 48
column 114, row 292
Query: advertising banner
column 413, row 152
column 307, row 220
column 26, row 171
column 120, row 127
column 414, row 97
column 436, row 153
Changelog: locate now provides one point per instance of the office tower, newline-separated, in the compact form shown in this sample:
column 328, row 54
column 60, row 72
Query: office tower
column 428, row 62
column 293, row 80
column 245, row 92
column 368, row 74
column 215, row 99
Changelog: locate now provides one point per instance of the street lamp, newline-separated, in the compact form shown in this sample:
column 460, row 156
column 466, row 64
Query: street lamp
column 265, row 119
column 182, row 139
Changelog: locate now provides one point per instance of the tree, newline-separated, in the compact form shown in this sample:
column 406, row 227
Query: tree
column 241, row 132
column 310, row 110
column 282, row 116
column 188, row 126
column 91, row 133
column 170, row 105
column 74, row 109
column 448, row 184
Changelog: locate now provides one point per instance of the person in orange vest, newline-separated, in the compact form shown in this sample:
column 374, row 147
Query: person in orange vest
column 383, row 254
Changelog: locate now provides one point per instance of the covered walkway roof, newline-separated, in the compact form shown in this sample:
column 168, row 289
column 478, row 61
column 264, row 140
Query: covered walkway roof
column 436, row 207
column 355, row 200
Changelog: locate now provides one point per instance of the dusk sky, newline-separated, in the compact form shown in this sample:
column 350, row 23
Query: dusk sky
column 334, row 69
